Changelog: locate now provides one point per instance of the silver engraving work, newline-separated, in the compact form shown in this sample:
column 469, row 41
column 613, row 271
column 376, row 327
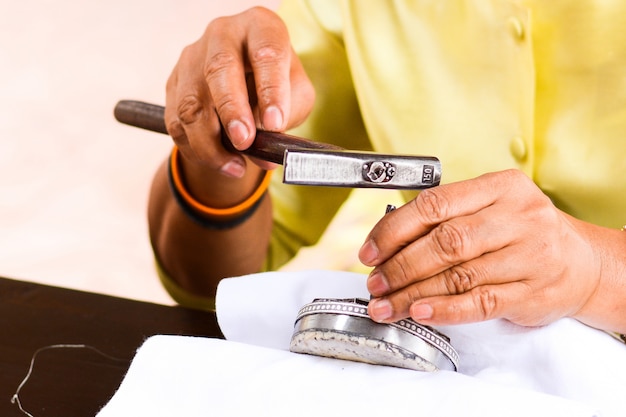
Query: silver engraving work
column 341, row 328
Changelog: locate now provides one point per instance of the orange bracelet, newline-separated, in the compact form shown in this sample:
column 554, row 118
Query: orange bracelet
column 235, row 210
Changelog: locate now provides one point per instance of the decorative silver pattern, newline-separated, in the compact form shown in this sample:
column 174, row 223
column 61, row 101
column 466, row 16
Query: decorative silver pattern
column 378, row 171
column 334, row 306
column 357, row 307
column 427, row 334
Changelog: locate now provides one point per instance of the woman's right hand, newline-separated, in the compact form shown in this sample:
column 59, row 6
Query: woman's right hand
column 242, row 74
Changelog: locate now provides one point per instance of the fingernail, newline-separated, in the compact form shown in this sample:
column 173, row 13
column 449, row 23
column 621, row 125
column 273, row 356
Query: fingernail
column 234, row 168
column 380, row 310
column 237, row 132
column 421, row 311
column 377, row 284
column 368, row 254
column 272, row 118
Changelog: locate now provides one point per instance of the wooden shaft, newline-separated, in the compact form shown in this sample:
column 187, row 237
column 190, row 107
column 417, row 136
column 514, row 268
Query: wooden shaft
column 269, row 146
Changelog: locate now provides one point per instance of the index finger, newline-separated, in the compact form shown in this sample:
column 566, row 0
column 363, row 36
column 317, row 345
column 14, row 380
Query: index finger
column 430, row 208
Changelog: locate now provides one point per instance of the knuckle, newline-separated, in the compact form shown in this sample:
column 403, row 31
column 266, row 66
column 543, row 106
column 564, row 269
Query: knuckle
column 543, row 208
column 270, row 48
column 514, row 174
column 460, row 279
column 252, row 14
column 175, row 129
column 189, row 109
column 219, row 62
column 518, row 176
column 451, row 241
column 398, row 271
column 267, row 92
column 486, row 302
column 260, row 12
column 268, row 52
column 510, row 176
column 225, row 105
column 431, row 205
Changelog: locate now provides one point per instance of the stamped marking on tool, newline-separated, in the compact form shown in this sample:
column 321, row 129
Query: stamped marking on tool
column 378, row 171
column 428, row 174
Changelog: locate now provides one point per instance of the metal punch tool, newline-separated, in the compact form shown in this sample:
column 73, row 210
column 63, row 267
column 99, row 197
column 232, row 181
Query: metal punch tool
column 306, row 162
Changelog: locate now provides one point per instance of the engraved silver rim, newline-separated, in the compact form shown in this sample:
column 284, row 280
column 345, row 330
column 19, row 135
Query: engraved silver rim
column 421, row 341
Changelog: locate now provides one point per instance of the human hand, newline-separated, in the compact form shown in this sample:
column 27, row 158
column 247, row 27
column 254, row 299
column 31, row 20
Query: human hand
column 241, row 74
column 490, row 247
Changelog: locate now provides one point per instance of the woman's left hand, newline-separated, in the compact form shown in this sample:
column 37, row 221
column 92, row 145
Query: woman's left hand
column 490, row 247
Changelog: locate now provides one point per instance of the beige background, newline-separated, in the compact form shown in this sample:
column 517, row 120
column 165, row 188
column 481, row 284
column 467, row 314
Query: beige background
column 74, row 182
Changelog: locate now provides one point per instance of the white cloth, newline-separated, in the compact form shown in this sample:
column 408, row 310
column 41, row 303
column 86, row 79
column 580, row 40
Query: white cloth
column 565, row 369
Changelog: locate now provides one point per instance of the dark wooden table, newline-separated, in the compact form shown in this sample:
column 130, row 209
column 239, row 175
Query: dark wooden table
column 77, row 382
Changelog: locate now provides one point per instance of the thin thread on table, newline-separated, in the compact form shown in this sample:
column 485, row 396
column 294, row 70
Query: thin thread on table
column 15, row 399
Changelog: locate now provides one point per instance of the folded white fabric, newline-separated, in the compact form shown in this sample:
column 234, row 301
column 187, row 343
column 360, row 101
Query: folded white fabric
column 565, row 369
column 179, row 376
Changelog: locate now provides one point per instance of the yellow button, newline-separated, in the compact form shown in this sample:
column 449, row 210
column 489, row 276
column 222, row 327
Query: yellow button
column 517, row 27
column 518, row 149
